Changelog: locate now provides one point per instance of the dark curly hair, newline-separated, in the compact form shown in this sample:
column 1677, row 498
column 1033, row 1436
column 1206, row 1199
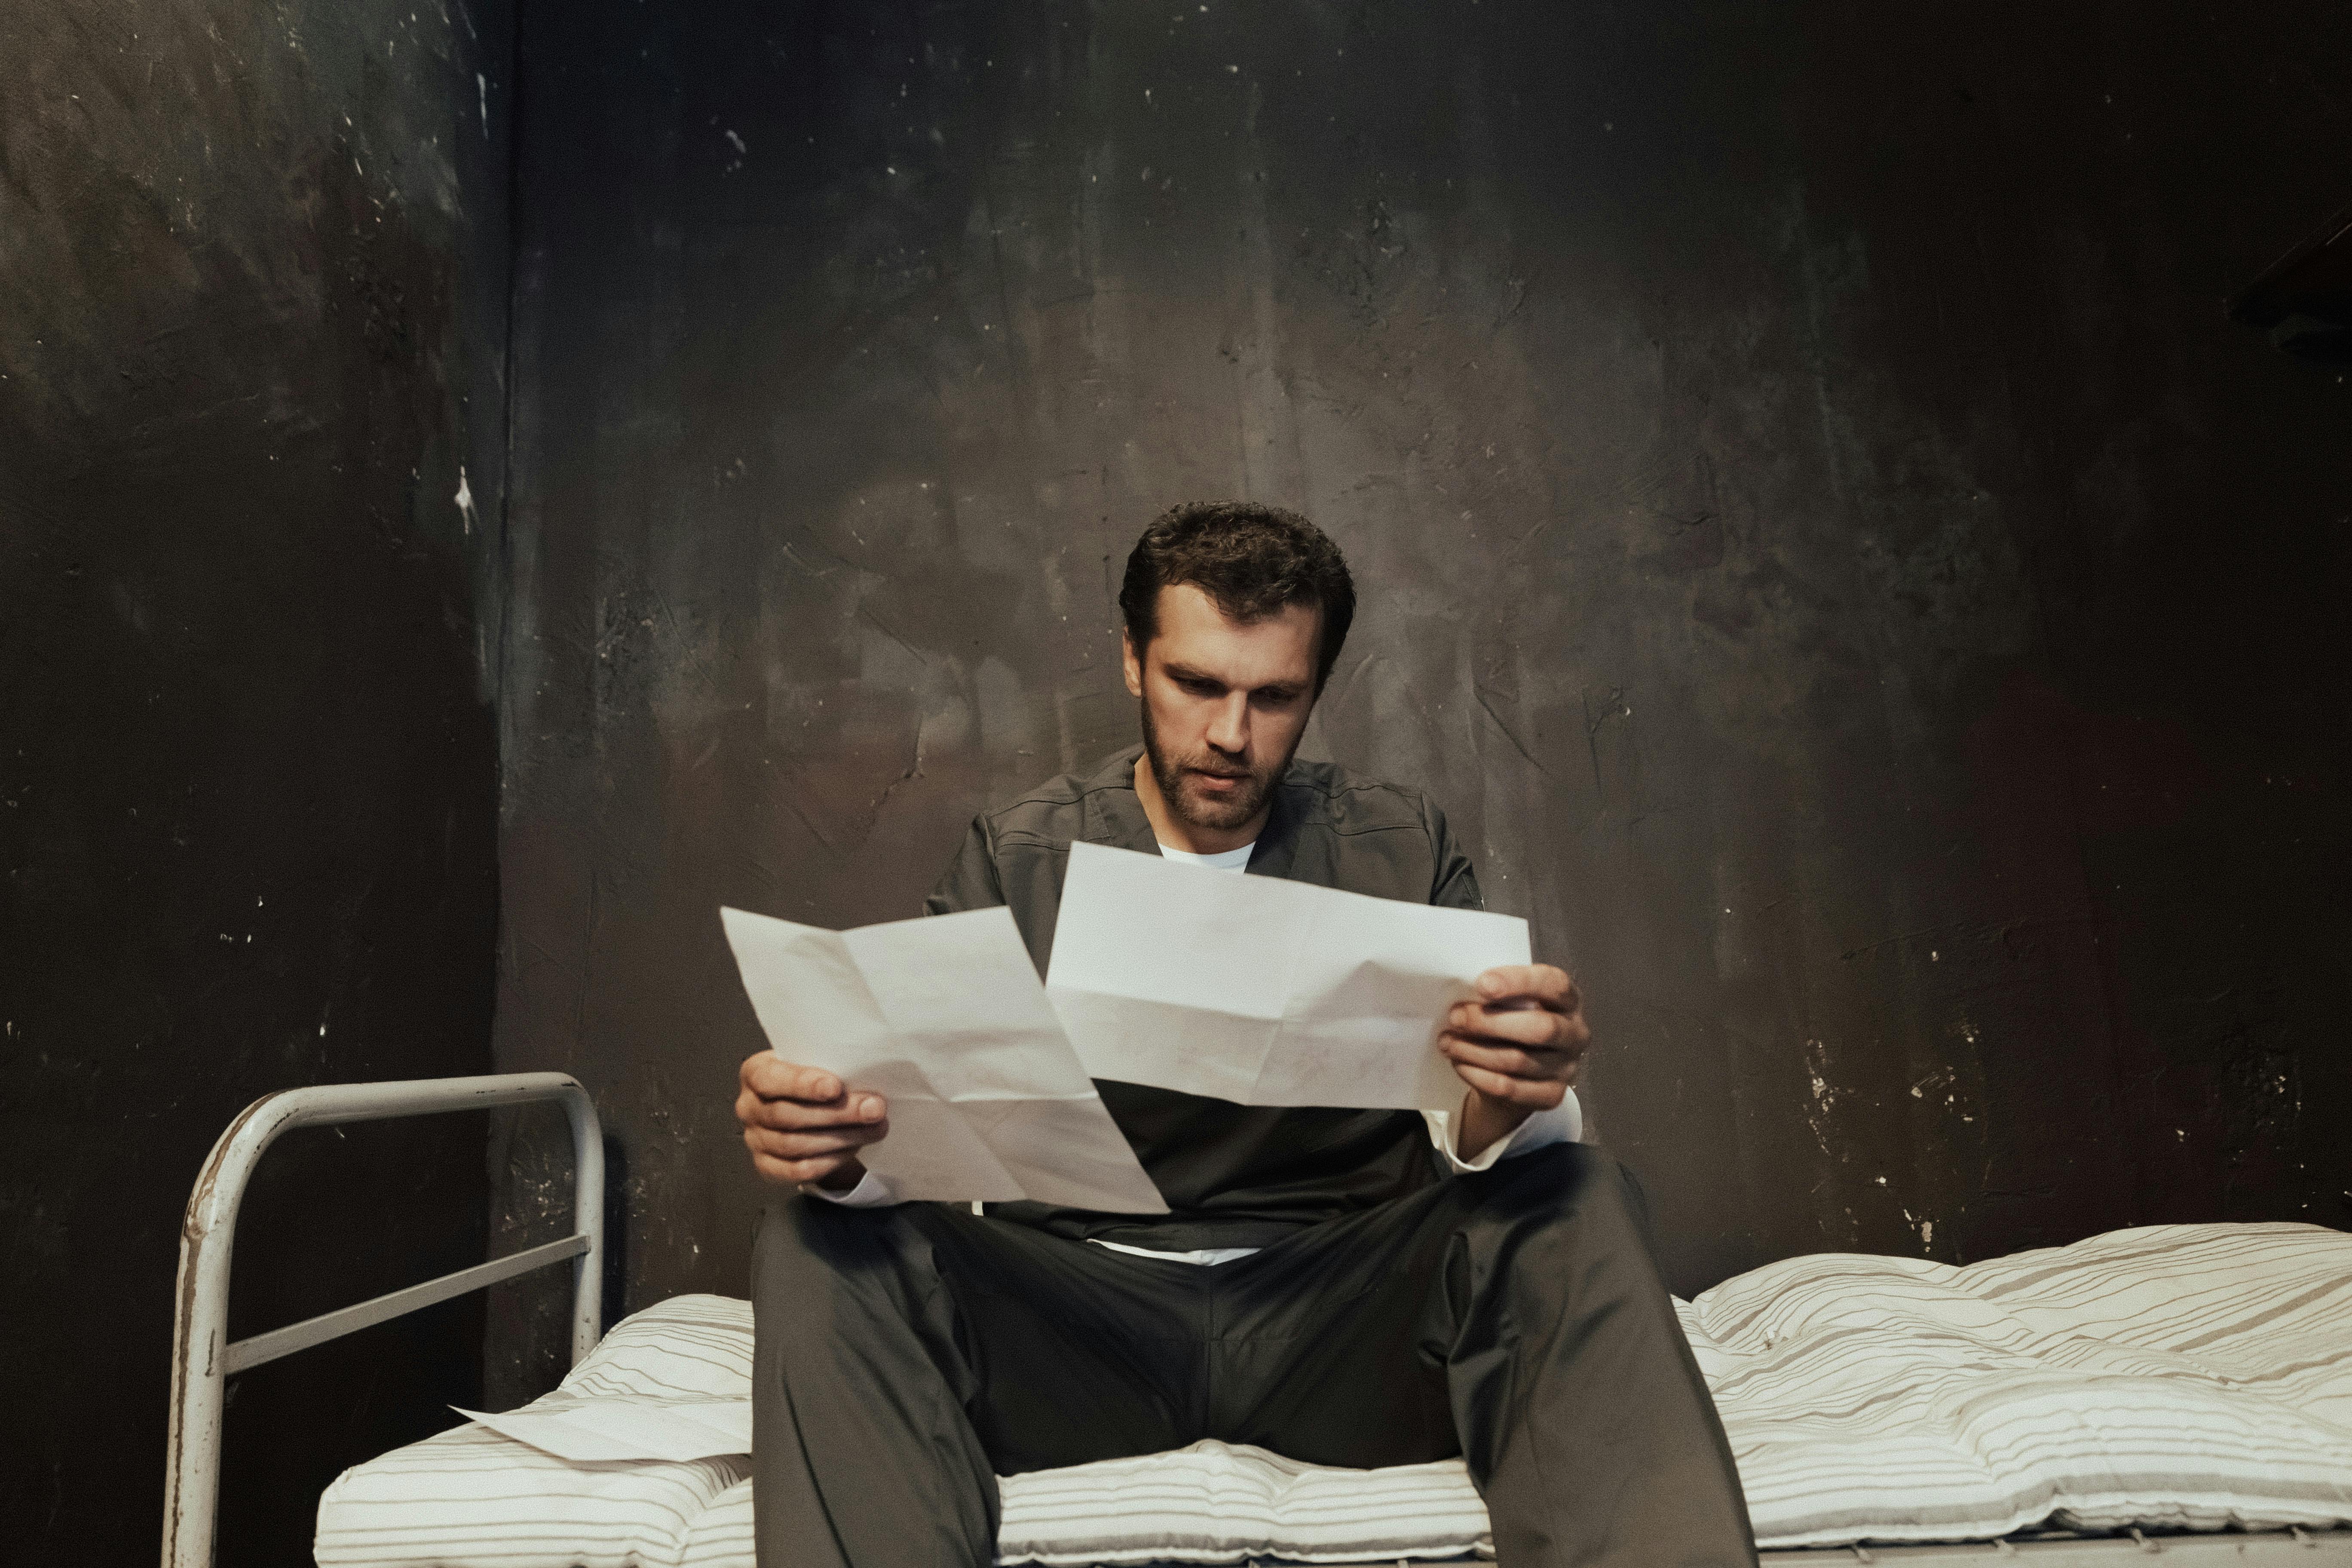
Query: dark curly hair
column 1253, row 561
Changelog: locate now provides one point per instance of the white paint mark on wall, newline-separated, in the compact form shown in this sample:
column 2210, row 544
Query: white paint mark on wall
column 465, row 499
column 1824, row 1096
column 482, row 93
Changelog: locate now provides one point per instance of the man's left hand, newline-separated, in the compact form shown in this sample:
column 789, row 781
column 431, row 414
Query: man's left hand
column 1519, row 1046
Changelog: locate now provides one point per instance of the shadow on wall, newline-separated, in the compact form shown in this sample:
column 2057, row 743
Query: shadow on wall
column 1778, row 448
column 251, row 321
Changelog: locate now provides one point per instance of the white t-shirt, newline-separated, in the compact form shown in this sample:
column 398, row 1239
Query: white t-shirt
column 1224, row 860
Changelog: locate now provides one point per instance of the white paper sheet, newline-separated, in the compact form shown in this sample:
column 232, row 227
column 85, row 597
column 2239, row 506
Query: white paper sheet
column 602, row 1430
column 945, row 1017
column 1262, row 990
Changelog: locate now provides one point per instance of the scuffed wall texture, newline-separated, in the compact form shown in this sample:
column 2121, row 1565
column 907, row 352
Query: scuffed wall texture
column 253, row 282
column 1821, row 542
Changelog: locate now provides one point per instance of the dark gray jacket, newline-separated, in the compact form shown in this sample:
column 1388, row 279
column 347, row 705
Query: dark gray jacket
column 1234, row 1175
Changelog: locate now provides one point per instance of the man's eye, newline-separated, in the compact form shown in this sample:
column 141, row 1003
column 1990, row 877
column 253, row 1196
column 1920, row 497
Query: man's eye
column 1200, row 688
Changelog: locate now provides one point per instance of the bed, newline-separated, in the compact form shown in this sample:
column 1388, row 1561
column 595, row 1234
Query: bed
column 2179, row 1389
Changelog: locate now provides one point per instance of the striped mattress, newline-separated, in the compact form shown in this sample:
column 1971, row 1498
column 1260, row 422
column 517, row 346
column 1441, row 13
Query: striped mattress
column 2173, row 1378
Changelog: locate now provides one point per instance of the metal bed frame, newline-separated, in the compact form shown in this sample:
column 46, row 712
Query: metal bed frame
column 204, row 1357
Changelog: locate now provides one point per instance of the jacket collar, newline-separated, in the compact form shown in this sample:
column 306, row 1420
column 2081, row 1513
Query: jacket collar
column 1114, row 811
column 1114, row 815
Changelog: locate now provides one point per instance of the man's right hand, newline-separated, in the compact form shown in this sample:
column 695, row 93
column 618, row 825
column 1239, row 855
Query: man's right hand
column 803, row 1125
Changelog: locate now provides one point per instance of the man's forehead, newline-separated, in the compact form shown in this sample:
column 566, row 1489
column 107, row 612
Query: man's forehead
column 1193, row 630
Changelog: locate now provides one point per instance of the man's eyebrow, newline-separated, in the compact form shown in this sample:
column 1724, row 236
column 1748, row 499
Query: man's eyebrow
column 1275, row 688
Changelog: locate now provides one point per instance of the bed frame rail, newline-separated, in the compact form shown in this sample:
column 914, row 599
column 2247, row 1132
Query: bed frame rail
column 203, row 1356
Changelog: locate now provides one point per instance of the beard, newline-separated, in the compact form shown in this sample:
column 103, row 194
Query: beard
column 1176, row 787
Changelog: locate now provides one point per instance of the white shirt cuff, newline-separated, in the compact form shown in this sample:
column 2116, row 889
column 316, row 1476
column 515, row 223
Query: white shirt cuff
column 1563, row 1123
column 872, row 1192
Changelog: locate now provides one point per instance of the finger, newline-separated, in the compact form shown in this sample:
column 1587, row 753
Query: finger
column 857, row 1108
column 1546, row 984
column 1536, row 1094
column 770, row 1168
column 1532, row 1026
column 801, row 1173
column 1528, row 1025
column 1507, row 1060
column 770, row 1076
column 1504, row 1025
column 810, row 1145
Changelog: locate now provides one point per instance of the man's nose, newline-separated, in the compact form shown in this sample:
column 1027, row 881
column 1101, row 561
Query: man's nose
column 1229, row 729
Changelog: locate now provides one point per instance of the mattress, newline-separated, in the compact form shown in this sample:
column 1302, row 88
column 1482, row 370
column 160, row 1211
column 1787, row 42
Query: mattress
column 2164, row 1378
column 2176, row 1377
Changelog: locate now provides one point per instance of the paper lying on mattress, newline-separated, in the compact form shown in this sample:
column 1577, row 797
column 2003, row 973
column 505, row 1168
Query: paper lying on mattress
column 1263, row 990
column 600, row 1431
column 944, row 1017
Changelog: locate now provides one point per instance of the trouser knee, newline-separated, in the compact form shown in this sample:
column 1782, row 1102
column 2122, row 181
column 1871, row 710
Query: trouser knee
column 1575, row 1187
column 806, row 1248
column 780, row 1241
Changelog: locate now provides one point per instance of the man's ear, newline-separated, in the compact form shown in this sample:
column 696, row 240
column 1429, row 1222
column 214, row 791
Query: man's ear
column 1130, row 662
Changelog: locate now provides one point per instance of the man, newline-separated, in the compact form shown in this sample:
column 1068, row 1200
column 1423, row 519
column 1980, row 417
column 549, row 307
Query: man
column 1356, row 1287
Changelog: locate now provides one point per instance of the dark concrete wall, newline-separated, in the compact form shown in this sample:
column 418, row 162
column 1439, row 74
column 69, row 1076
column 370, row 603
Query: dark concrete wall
column 252, row 279
column 1821, row 541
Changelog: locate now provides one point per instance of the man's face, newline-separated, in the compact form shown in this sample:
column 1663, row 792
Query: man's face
column 1225, row 703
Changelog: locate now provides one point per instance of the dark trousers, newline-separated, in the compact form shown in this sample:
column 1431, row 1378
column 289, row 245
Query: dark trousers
column 908, row 1356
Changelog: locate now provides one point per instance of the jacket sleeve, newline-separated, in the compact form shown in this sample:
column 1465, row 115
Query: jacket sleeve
column 969, row 882
column 1453, row 885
